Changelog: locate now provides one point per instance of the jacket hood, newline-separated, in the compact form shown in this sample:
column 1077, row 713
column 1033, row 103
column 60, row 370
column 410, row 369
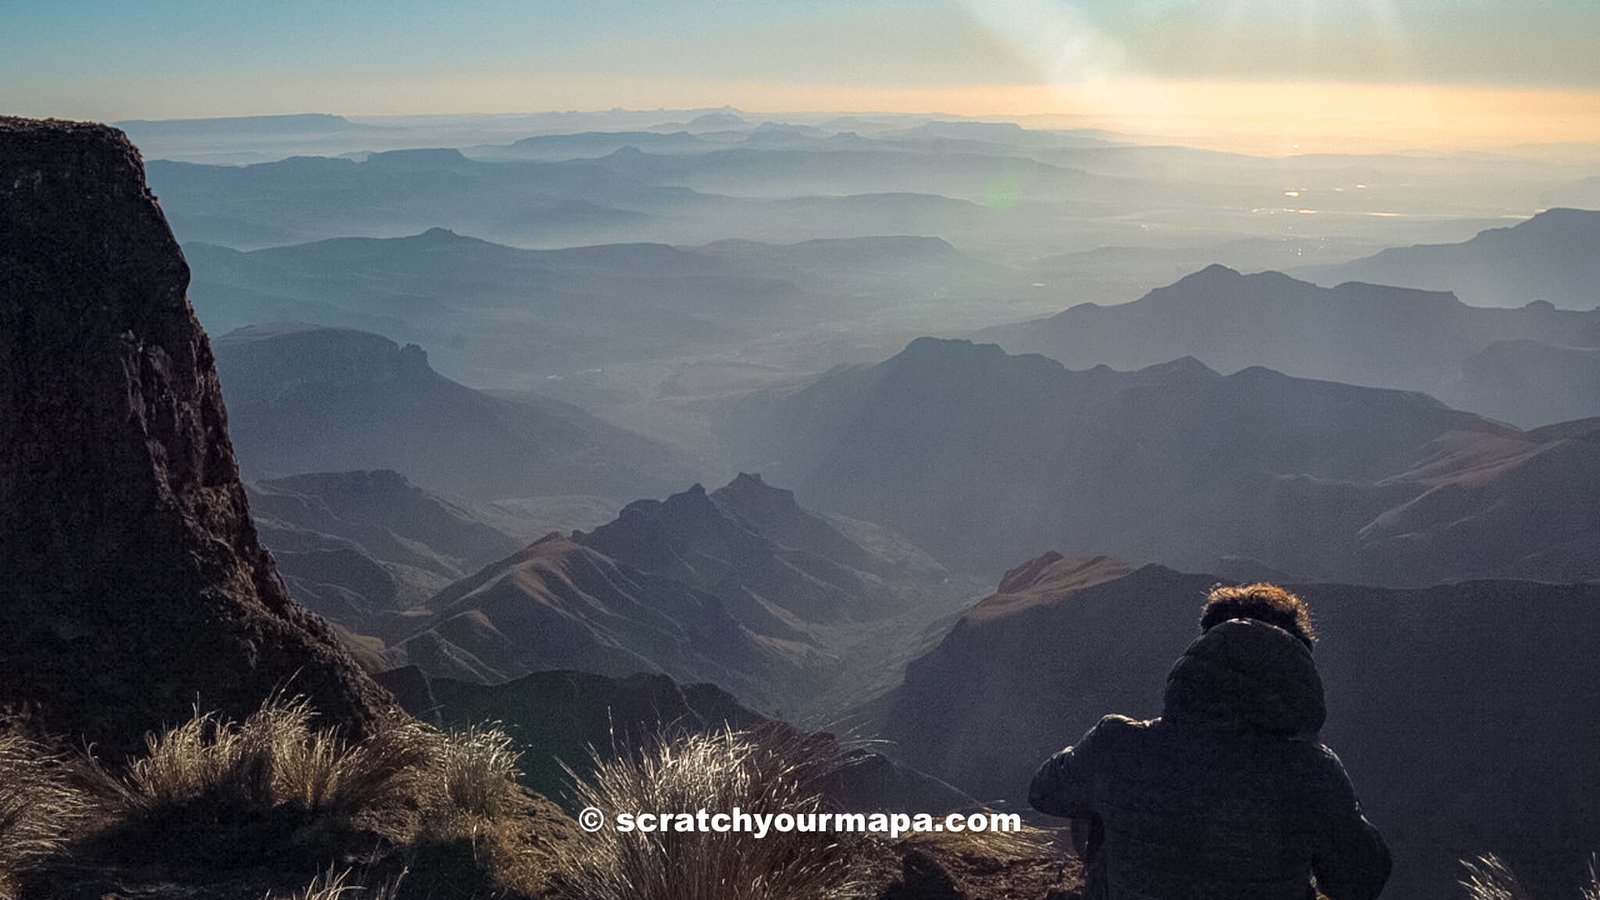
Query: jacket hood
column 1246, row 675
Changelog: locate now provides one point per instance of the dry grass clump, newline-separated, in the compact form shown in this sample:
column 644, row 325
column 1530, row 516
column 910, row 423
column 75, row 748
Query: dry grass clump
column 1489, row 878
column 331, row 885
column 1031, row 842
column 274, row 758
column 758, row 772
column 40, row 806
column 475, row 773
column 274, row 798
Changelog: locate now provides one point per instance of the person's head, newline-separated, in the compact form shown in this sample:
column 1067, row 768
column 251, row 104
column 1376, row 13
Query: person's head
column 1264, row 602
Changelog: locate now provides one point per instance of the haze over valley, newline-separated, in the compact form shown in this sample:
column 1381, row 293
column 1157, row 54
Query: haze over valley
column 902, row 422
column 477, row 388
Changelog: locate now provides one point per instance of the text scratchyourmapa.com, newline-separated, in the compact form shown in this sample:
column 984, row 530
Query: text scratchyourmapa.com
column 737, row 821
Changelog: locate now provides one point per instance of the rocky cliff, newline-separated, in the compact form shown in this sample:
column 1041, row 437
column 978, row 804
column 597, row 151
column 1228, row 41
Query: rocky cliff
column 132, row 585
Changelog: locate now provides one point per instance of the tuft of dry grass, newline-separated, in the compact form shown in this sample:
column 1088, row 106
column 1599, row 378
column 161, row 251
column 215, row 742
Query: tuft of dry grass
column 274, row 795
column 331, row 885
column 476, row 773
column 274, row 758
column 1029, row 843
column 324, row 773
column 1490, row 878
column 770, row 771
column 40, row 806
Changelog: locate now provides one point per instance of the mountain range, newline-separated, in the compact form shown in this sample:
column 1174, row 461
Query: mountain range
column 363, row 548
column 306, row 399
column 739, row 586
column 1254, row 471
column 1481, row 359
column 505, row 317
column 1009, row 193
column 1553, row 256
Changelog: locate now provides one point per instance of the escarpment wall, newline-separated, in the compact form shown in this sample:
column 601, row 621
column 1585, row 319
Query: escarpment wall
column 132, row 586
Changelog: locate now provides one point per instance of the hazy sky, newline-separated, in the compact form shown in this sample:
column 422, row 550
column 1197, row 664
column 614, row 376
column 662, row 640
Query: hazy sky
column 1436, row 71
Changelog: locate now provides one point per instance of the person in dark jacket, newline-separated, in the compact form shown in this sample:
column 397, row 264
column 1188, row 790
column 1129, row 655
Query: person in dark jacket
column 1229, row 794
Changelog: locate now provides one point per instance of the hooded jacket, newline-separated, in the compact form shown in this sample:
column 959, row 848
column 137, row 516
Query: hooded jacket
column 1229, row 794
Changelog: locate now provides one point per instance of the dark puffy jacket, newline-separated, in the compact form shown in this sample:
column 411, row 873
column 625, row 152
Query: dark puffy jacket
column 1229, row 794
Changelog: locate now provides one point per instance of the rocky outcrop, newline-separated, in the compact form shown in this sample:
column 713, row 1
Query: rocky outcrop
column 132, row 586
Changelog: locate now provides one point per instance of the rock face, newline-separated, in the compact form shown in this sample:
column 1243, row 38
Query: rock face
column 131, row 583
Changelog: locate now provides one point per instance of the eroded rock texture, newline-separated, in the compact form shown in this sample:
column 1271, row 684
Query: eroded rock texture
column 132, row 586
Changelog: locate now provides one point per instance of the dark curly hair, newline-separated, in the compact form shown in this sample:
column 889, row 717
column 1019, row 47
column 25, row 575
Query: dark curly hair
column 1265, row 602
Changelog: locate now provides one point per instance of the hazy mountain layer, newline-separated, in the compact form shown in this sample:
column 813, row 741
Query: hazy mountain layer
column 976, row 455
column 506, row 317
column 1530, row 382
column 305, row 399
column 1554, row 257
column 538, row 181
column 1463, row 712
column 1355, row 333
column 740, row 587
column 361, row 548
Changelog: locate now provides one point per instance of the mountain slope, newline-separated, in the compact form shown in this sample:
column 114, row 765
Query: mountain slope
column 1356, row 333
column 740, row 586
column 307, row 399
column 1554, row 256
column 1178, row 464
column 1530, row 382
column 132, row 585
column 1463, row 712
column 561, row 605
column 560, row 718
column 361, row 548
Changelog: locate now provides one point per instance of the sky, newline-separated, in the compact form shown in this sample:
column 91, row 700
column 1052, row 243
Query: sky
column 1274, row 74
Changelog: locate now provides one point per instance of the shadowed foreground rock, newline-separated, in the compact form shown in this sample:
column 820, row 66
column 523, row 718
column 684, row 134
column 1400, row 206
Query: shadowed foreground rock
column 131, row 583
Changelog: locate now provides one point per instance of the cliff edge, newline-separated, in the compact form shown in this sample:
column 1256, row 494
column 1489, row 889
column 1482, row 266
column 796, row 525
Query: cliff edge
column 132, row 586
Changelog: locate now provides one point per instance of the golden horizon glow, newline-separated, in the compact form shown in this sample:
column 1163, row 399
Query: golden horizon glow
column 1266, row 118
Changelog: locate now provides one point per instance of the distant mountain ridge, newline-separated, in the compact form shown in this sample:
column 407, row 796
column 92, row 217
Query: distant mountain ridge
column 1364, row 334
column 306, row 399
column 362, row 548
column 501, row 316
column 1178, row 464
column 739, row 586
column 1553, row 256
